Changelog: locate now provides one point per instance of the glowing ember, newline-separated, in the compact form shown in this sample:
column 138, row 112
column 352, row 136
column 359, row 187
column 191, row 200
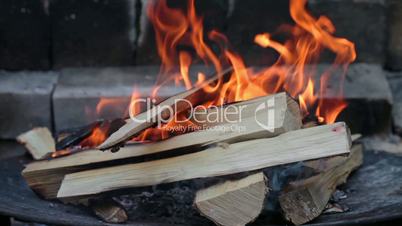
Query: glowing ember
column 98, row 135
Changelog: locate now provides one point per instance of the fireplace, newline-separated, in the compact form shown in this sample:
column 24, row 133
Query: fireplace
column 194, row 112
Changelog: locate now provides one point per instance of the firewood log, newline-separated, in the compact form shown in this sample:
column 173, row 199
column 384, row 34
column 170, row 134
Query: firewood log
column 150, row 116
column 237, row 202
column 109, row 211
column 294, row 146
column 234, row 113
column 45, row 176
column 39, row 142
column 304, row 200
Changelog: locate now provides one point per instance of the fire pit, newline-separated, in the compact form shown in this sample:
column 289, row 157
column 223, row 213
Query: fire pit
column 301, row 136
column 368, row 201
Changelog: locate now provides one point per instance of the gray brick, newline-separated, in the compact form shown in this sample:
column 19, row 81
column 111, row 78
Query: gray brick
column 25, row 101
column 364, row 81
column 394, row 51
column 369, row 98
column 362, row 22
column 93, row 33
column 366, row 91
column 79, row 90
column 24, row 35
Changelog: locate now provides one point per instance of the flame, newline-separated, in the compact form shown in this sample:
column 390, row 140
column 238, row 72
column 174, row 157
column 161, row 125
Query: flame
column 135, row 105
column 307, row 97
column 181, row 41
column 293, row 72
column 98, row 135
column 109, row 104
column 185, row 62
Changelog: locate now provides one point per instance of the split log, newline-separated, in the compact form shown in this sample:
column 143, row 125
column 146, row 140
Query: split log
column 149, row 117
column 304, row 200
column 325, row 164
column 109, row 211
column 235, row 112
column 236, row 202
column 39, row 142
column 294, row 146
column 45, row 177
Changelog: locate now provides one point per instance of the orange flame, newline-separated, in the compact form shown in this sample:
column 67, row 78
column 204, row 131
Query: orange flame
column 182, row 41
column 108, row 104
column 307, row 97
column 98, row 136
column 293, row 72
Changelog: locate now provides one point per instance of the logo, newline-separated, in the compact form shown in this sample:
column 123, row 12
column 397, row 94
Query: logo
column 265, row 115
column 203, row 117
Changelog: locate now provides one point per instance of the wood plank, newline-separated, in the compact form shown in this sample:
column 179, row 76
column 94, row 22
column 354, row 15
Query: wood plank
column 150, row 116
column 45, row 176
column 304, row 200
column 294, row 146
column 235, row 112
column 325, row 164
column 236, row 202
column 39, row 142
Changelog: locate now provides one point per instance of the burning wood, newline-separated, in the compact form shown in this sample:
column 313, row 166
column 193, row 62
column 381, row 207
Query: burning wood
column 237, row 202
column 180, row 37
column 304, row 200
column 77, row 136
column 224, row 159
column 39, row 142
column 45, row 177
column 150, row 117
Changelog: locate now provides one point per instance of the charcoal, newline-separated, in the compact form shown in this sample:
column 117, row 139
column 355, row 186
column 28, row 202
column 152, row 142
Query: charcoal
column 77, row 136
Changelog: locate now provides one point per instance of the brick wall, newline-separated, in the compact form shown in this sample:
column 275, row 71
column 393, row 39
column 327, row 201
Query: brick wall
column 52, row 34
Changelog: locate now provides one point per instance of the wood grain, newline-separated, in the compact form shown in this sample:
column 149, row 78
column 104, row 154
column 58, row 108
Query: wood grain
column 45, row 176
column 236, row 202
column 294, row 146
column 304, row 200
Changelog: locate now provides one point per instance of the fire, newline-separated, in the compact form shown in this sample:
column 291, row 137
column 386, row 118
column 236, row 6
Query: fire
column 107, row 103
column 181, row 42
column 98, row 135
column 293, row 72
column 307, row 97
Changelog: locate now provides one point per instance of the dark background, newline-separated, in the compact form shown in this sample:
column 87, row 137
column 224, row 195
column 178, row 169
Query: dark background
column 53, row 34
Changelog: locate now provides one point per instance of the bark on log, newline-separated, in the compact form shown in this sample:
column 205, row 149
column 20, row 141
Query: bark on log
column 304, row 200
